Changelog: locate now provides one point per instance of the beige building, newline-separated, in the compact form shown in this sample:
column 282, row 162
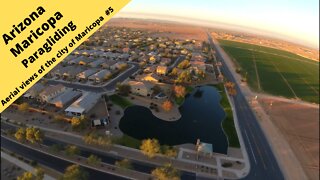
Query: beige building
column 140, row 88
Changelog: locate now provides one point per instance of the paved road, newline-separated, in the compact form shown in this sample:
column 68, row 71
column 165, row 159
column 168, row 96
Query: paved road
column 178, row 60
column 262, row 161
column 50, row 161
column 108, row 87
column 106, row 158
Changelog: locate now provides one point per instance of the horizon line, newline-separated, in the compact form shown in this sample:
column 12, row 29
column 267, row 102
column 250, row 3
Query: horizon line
column 217, row 24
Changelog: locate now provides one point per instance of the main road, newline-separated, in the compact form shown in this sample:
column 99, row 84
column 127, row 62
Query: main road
column 262, row 160
column 60, row 165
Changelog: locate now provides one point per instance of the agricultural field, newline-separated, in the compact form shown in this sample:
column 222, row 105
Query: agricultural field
column 275, row 72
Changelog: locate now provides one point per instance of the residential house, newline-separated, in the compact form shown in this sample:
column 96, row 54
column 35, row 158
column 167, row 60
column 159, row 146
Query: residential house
column 118, row 65
column 149, row 69
column 85, row 74
column 83, row 104
column 165, row 61
column 108, row 64
column 151, row 77
column 96, row 63
column 198, row 64
column 60, row 71
column 75, row 60
column 51, row 92
column 85, row 60
column 65, row 98
column 72, row 72
column 162, row 70
column 140, row 88
column 34, row 91
column 100, row 76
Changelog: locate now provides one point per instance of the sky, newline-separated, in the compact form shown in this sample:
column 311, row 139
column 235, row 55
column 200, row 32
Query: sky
column 292, row 20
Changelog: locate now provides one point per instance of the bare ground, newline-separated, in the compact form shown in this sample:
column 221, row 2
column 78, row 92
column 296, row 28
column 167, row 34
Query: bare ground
column 299, row 124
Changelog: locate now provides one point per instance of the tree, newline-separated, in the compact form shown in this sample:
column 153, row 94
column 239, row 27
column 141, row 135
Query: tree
column 34, row 135
column 26, row 176
column 75, row 122
column 150, row 147
column 171, row 152
column 232, row 92
column 180, row 91
column 78, row 123
column 201, row 74
column 39, row 173
column 166, row 172
column 123, row 89
column 124, row 163
column 20, row 135
column 167, row 105
column 184, row 77
column 174, row 72
column 95, row 139
column 184, row 64
column 74, row 172
column 23, row 107
column 93, row 160
column 72, row 150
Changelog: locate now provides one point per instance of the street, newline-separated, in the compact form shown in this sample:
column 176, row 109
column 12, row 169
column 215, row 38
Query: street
column 262, row 161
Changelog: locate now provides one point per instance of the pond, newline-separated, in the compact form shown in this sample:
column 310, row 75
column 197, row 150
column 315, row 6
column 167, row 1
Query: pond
column 201, row 117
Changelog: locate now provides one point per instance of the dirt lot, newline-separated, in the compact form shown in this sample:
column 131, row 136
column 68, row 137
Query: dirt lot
column 300, row 126
column 167, row 29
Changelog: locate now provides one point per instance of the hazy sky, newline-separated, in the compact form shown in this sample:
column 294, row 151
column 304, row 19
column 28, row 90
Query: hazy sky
column 295, row 20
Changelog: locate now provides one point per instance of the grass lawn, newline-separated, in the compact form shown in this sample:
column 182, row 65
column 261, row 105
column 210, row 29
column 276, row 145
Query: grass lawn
column 120, row 101
column 274, row 71
column 128, row 141
column 228, row 123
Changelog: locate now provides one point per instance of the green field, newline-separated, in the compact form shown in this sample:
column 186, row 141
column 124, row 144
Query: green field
column 275, row 72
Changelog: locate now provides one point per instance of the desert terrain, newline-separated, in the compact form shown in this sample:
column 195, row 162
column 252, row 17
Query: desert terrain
column 299, row 124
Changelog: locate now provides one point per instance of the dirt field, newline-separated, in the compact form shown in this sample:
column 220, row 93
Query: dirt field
column 300, row 126
column 165, row 29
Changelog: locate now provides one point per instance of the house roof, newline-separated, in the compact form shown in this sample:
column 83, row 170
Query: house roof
column 51, row 89
column 96, row 62
column 66, row 97
column 101, row 74
column 84, row 103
